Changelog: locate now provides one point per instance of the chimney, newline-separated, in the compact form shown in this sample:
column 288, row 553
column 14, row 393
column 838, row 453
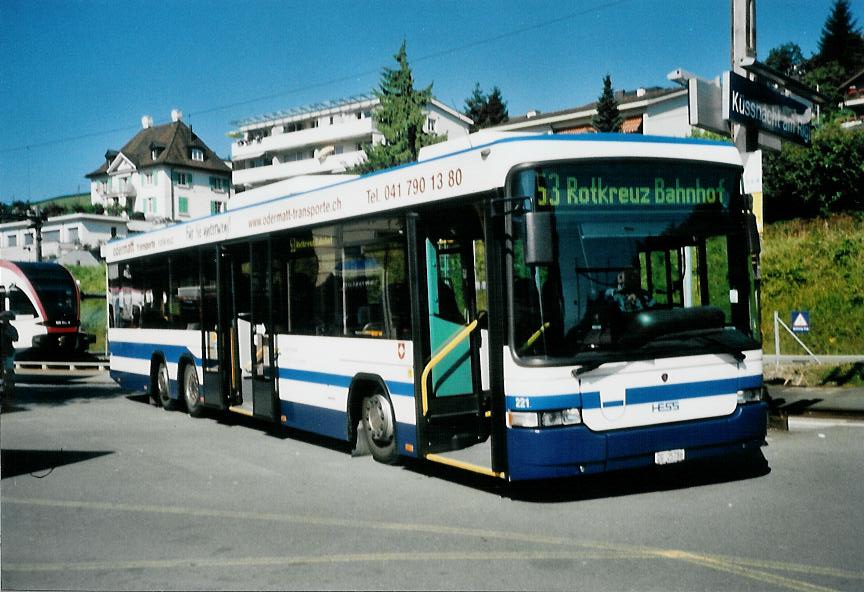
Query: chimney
column 146, row 121
column 176, row 115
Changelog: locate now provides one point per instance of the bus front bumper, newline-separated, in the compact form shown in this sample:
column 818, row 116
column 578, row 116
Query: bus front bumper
column 576, row 450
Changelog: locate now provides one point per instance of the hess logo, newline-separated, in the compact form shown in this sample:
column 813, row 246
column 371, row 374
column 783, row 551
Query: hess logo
column 665, row 407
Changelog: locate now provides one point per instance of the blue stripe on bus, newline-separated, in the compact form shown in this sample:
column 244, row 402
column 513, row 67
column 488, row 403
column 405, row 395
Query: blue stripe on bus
column 129, row 381
column 689, row 390
column 145, row 351
column 334, row 424
column 341, row 380
column 635, row 396
column 543, row 403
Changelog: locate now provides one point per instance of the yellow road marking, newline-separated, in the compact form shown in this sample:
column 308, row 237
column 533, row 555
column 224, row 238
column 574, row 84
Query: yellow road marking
column 743, row 567
column 313, row 559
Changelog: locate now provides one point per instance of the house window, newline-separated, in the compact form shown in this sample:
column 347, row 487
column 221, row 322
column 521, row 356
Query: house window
column 103, row 186
column 72, row 234
column 430, row 125
column 215, row 207
column 183, row 206
column 184, row 179
column 113, row 232
column 150, row 205
column 51, row 236
column 11, row 240
column 198, row 154
column 148, row 178
column 218, row 184
column 313, row 123
column 28, row 238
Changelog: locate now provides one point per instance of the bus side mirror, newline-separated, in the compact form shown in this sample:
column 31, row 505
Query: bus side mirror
column 538, row 238
column 753, row 241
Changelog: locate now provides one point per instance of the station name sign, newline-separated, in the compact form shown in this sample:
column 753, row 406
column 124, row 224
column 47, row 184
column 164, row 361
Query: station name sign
column 751, row 103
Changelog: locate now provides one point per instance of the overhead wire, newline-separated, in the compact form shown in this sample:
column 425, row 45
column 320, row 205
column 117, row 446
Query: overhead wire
column 331, row 81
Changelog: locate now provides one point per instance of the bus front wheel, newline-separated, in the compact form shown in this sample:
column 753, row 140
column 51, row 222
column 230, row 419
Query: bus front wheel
column 379, row 427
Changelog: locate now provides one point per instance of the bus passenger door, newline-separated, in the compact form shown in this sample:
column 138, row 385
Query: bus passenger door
column 452, row 396
column 215, row 327
column 262, row 378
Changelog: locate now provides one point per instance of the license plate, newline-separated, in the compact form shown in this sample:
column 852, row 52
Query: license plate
column 667, row 457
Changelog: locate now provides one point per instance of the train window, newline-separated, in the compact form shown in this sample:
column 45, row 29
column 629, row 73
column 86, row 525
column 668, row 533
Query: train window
column 20, row 304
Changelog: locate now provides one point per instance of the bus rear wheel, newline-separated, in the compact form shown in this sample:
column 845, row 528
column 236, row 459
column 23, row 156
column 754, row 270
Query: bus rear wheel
column 379, row 427
column 192, row 391
column 162, row 387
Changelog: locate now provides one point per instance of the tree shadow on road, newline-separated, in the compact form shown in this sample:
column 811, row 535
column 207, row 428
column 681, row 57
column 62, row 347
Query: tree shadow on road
column 40, row 463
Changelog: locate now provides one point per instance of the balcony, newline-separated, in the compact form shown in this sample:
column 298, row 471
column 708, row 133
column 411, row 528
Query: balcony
column 326, row 134
column 312, row 166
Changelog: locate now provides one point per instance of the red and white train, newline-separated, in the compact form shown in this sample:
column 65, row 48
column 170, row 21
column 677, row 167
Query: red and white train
column 46, row 302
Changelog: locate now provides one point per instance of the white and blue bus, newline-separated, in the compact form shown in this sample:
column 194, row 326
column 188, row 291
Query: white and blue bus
column 522, row 306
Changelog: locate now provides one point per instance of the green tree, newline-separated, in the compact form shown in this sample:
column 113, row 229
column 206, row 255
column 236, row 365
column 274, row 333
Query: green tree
column 823, row 179
column 496, row 111
column 475, row 107
column 399, row 117
column 788, row 59
column 486, row 110
column 841, row 40
column 608, row 117
column 840, row 55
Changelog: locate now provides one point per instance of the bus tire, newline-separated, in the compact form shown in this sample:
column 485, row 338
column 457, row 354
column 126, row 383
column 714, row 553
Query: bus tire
column 162, row 386
column 191, row 391
column 379, row 426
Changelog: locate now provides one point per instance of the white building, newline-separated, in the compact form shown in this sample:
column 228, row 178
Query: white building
column 319, row 139
column 60, row 235
column 165, row 172
column 653, row 111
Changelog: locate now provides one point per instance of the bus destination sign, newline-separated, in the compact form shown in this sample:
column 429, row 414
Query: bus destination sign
column 562, row 190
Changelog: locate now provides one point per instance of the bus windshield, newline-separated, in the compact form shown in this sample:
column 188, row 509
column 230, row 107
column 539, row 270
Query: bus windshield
column 649, row 259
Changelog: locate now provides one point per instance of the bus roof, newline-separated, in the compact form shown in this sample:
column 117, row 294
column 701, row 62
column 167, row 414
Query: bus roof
column 466, row 166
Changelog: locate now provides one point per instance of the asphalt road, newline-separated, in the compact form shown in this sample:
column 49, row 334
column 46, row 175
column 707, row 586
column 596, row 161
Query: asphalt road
column 101, row 491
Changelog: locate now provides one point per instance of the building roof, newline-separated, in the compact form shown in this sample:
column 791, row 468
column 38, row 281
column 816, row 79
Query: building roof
column 626, row 100
column 173, row 142
column 327, row 107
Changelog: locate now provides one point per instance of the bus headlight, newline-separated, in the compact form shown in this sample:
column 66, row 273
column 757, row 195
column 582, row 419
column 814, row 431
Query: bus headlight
column 545, row 419
column 749, row 395
column 559, row 418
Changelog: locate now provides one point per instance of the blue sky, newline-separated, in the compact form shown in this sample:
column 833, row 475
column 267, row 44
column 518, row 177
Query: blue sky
column 76, row 76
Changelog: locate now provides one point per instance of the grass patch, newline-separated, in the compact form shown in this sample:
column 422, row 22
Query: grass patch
column 93, row 316
column 815, row 265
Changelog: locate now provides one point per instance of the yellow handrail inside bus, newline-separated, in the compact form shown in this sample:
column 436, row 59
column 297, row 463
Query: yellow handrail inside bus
column 530, row 341
column 442, row 353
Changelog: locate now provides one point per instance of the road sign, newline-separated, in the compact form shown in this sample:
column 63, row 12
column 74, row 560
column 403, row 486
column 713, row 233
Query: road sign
column 751, row 103
column 801, row 321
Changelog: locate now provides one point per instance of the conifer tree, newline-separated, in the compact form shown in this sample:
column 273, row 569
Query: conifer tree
column 486, row 110
column 496, row 108
column 608, row 118
column 841, row 40
column 475, row 107
column 399, row 117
